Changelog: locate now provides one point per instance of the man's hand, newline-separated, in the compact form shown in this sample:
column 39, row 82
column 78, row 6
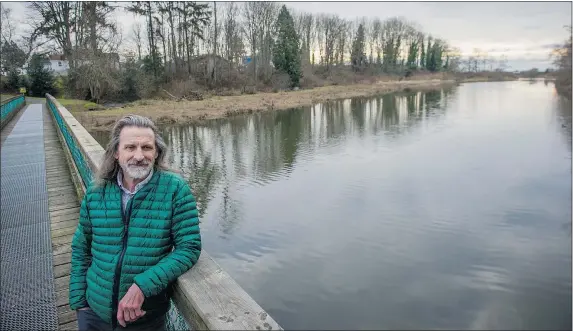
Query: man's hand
column 129, row 308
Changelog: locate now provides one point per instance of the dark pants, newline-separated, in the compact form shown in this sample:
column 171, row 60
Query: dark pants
column 89, row 321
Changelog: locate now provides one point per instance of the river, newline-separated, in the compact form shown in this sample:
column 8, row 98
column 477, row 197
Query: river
column 443, row 209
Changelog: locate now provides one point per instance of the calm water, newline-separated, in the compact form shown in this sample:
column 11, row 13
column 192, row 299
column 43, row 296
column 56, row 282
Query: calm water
column 447, row 209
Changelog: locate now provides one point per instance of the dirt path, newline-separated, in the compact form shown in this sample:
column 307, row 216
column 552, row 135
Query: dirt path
column 166, row 112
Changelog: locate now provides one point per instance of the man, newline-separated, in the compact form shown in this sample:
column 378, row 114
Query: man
column 138, row 231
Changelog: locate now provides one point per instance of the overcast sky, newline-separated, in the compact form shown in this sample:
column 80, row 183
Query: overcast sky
column 525, row 32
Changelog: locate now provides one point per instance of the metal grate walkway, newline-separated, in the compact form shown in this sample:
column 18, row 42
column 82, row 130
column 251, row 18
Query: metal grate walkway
column 28, row 298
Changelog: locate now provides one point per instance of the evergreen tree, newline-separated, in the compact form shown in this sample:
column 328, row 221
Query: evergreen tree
column 412, row 55
column 429, row 52
column 41, row 78
column 13, row 57
column 286, row 52
column 358, row 56
column 13, row 79
column 422, row 55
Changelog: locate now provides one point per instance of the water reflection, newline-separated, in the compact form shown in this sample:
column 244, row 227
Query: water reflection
column 261, row 148
column 258, row 149
column 564, row 107
column 441, row 209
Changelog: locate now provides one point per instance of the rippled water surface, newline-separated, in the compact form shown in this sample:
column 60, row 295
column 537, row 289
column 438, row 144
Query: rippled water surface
column 445, row 209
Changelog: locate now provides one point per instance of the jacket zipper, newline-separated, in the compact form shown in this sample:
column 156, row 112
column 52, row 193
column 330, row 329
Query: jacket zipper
column 116, row 280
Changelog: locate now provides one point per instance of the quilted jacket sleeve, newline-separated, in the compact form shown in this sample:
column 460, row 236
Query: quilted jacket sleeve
column 81, row 258
column 187, row 242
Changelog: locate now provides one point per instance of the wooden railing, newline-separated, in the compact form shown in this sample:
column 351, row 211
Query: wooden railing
column 206, row 296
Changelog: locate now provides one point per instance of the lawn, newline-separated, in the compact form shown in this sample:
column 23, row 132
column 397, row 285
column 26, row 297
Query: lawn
column 76, row 106
column 6, row 96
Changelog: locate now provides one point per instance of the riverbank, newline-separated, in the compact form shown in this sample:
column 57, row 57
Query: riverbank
column 186, row 112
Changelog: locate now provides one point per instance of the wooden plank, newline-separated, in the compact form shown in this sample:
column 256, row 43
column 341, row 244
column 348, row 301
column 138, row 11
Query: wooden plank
column 55, row 164
column 62, row 270
column 59, row 182
column 62, row 297
column 65, row 206
column 62, row 193
column 64, row 220
column 69, row 326
column 60, row 225
column 67, row 317
column 67, row 231
column 63, row 188
column 55, row 168
column 61, row 249
column 64, row 309
column 62, row 283
column 62, row 198
column 72, row 223
column 210, row 299
column 62, row 259
column 65, row 211
column 65, row 240
column 57, row 174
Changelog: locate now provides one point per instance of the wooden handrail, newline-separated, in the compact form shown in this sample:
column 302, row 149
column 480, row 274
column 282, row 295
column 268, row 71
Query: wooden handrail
column 206, row 296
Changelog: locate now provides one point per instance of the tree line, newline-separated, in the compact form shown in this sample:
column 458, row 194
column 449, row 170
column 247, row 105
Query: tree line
column 184, row 46
column 562, row 61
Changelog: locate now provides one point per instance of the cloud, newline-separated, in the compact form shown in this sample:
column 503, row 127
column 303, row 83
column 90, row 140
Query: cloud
column 551, row 46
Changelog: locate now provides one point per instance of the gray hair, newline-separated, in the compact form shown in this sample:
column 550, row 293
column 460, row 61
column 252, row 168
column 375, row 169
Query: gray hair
column 110, row 166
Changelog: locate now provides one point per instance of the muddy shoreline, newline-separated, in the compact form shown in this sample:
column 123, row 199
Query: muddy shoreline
column 187, row 112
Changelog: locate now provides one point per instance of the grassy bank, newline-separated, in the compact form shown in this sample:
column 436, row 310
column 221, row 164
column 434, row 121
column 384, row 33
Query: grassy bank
column 97, row 118
column 184, row 112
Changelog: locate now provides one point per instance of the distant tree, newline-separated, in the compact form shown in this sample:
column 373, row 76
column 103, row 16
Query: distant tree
column 13, row 79
column 41, row 77
column 13, row 57
column 23, row 81
column 358, row 55
column 423, row 53
column 562, row 60
column 428, row 54
column 286, row 55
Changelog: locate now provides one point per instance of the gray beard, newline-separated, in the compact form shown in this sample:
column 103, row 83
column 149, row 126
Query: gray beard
column 137, row 172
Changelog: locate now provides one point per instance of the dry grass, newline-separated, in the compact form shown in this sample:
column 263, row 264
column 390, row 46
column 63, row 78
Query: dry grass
column 182, row 112
column 4, row 97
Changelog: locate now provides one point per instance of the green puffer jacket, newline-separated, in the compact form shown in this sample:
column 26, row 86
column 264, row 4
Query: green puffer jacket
column 111, row 252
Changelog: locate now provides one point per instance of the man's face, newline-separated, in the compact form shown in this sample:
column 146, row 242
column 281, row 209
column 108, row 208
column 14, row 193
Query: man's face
column 136, row 152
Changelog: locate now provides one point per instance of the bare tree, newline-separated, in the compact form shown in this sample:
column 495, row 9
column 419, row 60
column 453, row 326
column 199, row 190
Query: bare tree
column 260, row 19
column 250, row 10
column 233, row 40
column 56, row 21
column 331, row 28
column 377, row 40
column 307, row 27
column 320, row 27
column 8, row 27
column 137, row 38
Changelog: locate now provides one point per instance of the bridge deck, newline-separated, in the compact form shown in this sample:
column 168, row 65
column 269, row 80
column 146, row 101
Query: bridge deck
column 64, row 210
column 38, row 215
